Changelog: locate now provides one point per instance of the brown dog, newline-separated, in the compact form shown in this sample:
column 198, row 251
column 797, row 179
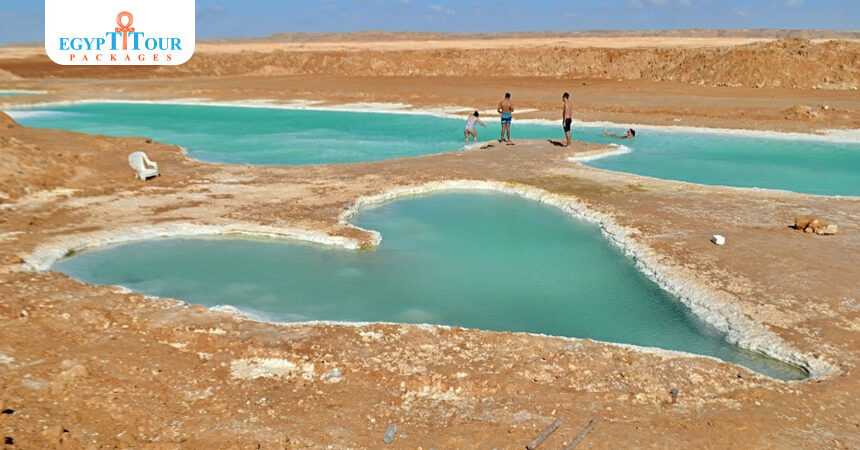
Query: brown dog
column 814, row 224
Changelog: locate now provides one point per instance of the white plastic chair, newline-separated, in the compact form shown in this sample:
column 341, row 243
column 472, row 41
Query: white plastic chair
column 138, row 162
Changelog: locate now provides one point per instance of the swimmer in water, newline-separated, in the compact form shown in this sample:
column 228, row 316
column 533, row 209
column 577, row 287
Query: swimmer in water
column 631, row 133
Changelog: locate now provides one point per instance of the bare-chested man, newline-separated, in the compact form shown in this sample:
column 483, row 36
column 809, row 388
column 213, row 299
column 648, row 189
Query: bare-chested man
column 566, row 117
column 506, row 109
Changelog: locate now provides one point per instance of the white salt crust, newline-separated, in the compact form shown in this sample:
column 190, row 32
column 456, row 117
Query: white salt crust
column 714, row 307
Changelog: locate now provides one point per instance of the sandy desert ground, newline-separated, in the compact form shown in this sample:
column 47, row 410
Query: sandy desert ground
column 95, row 366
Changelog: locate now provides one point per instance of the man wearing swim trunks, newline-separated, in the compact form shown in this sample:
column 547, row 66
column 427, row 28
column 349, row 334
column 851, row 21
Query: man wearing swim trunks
column 506, row 109
column 566, row 117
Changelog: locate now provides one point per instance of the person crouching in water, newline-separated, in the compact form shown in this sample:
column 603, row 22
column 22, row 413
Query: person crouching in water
column 631, row 133
column 470, row 126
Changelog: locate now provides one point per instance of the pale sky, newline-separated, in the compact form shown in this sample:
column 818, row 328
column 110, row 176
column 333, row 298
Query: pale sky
column 23, row 20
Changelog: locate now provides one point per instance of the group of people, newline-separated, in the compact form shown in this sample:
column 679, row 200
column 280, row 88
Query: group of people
column 506, row 112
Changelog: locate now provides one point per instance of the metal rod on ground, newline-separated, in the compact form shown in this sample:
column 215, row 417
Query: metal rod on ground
column 579, row 437
column 544, row 434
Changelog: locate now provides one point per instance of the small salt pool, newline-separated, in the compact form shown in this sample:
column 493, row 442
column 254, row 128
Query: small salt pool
column 13, row 93
column 477, row 260
column 246, row 135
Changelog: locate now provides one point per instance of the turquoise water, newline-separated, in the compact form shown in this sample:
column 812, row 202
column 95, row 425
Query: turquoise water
column 483, row 261
column 259, row 135
column 295, row 137
column 11, row 93
column 814, row 167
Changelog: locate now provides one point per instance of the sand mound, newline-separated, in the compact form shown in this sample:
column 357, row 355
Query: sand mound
column 36, row 160
column 790, row 63
column 794, row 63
column 8, row 76
column 270, row 71
column 817, row 113
column 6, row 121
column 26, row 169
column 802, row 112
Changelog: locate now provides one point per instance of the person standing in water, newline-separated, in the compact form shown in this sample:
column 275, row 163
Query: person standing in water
column 506, row 109
column 566, row 117
column 470, row 126
column 631, row 133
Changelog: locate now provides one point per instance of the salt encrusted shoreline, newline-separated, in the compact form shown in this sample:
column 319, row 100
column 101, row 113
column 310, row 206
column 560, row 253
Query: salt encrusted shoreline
column 256, row 317
column 850, row 136
column 713, row 307
column 600, row 154
column 46, row 254
column 705, row 303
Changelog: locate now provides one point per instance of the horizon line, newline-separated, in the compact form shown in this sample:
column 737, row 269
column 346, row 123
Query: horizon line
column 629, row 32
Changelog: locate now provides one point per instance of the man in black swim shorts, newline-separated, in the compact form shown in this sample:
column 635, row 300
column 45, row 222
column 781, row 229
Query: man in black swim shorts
column 566, row 117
